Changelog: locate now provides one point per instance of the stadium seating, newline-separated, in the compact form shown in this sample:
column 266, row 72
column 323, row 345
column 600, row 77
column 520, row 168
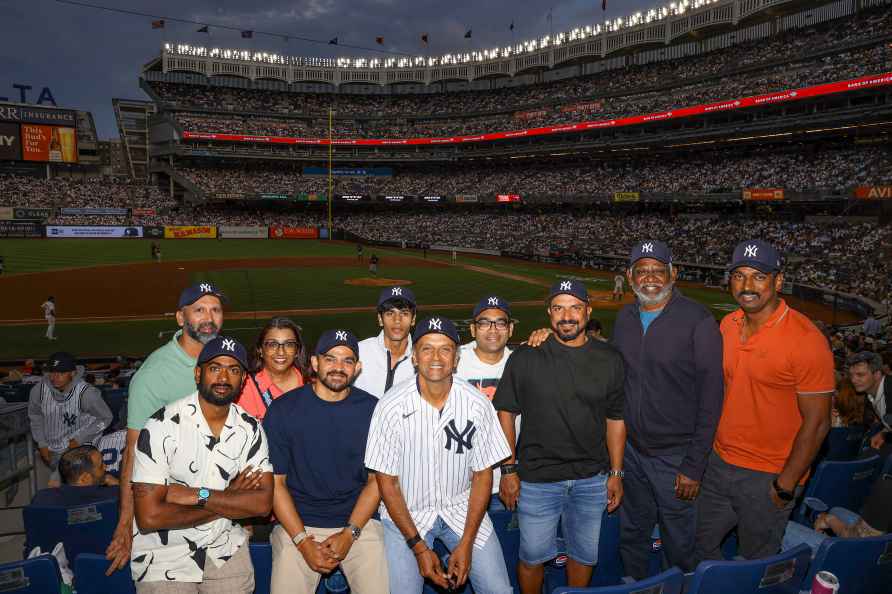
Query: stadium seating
column 39, row 575
column 262, row 558
column 862, row 565
column 780, row 574
column 608, row 571
column 839, row 484
column 843, row 443
column 90, row 578
column 670, row 581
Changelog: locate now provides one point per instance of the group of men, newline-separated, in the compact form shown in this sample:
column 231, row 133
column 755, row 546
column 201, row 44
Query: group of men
column 679, row 423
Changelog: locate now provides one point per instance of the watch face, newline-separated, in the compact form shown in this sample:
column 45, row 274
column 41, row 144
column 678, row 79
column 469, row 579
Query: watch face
column 204, row 493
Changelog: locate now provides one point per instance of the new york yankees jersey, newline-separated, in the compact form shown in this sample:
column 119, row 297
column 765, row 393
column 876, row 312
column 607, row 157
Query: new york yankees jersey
column 112, row 447
column 49, row 309
column 435, row 452
column 57, row 418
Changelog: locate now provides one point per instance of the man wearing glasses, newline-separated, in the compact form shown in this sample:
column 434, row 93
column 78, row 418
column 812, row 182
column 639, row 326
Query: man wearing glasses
column 672, row 349
column 482, row 361
column 567, row 465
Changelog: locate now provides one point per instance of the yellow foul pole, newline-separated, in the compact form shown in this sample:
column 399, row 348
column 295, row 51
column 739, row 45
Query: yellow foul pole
column 330, row 188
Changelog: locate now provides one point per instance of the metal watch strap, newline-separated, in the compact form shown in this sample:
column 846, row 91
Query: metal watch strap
column 355, row 531
column 299, row 537
column 617, row 473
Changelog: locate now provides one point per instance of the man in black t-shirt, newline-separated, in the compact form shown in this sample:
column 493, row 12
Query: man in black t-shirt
column 570, row 393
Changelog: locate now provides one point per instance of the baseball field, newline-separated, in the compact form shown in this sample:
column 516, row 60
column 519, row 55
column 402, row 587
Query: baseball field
column 112, row 299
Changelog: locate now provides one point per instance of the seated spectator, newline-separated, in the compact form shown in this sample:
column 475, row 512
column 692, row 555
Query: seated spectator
column 82, row 467
column 866, row 373
column 594, row 330
column 848, row 406
column 278, row 363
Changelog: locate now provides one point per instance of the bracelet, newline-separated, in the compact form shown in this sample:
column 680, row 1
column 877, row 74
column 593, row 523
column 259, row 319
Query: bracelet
column 616, row 473
column 508, row 469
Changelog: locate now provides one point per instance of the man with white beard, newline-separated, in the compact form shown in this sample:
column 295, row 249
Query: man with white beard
column 672, row 350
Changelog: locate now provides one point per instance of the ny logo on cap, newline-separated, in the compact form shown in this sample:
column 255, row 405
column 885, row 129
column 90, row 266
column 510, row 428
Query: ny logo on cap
column 751, row 251
column 493, row 300
column 566, row 285
column 205, row 288
column 56, row 363
column 435, row 324
column 228, row 344
column 396, row 291
column 340, row 335
column 647, row 248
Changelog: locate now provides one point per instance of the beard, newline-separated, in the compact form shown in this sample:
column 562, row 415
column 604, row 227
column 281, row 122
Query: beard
column 336, row 382
column 203, row 333
column 206, row 391
column 648, row 299
column 568, row 330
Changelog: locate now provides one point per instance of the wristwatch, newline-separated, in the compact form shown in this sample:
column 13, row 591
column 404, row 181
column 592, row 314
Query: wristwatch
column 299, row 537
column 616, row 473
column 411, row 542
column 782, row 494
column 508, row 468
column 355, row 531
column 203, row 494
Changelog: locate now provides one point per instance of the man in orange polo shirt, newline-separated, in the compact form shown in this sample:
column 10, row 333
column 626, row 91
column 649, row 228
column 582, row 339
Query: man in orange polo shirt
column 778, row 385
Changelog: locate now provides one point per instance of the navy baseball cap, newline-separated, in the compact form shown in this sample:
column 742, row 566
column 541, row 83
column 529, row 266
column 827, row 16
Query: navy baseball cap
column 757, row 254
column 332, row 338
column 223, row 346
column 650, row 248
column 389, row 293
column 492, row 302
column 192, row 294
column 568, row 286
column 61, row 362
column 436, row 325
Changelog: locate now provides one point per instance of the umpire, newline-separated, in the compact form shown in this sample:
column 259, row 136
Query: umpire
column 672, row 349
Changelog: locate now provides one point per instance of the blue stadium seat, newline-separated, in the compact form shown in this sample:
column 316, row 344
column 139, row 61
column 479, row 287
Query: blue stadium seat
column 508, row 531
column 843, row 443
column 262, row 559
column 83, row 518
column 862, row 565
column 115, row 400
column 839, row 484
column 780, row 574
column 39, row 575
column 90, row 578
column 668, row 582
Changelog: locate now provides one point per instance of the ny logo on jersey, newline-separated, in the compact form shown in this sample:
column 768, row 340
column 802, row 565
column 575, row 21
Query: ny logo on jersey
column 751, row 251
column 462, row 440
column 435, row 324
column 205, row 288
column 493, row 300
column 340, row 335
column 647, row 248
column 228, row 344
column 397, row 291
column 566, row 285
column 69, row 419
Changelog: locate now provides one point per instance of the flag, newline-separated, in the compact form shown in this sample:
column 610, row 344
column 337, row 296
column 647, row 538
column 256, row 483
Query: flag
column 424, row 38
column 333, row 41
column 604, row 5
column 468, row 34
column 511, row 26
column 159, row 24
column 203, row 30
column 379, row 40
column 247, row 34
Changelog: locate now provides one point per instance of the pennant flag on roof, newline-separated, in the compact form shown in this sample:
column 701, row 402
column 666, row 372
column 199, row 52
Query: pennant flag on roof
column 159, row 24
column 203, row 30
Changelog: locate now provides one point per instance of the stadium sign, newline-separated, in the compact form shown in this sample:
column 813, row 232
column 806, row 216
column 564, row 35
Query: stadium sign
column 99, row 212
column 20, row 229
column 45, row 94
column 190, row 232
column 6, row 213
column 293, row 232
column 432, row 199
column 311, row 197
column 242, row 232
column 10, row 142
column 461, row 198
column 65, row 231
column 153, row 232
column 33, row 213
column 353, row 197
column 626, row 196
column 272, row 196
column 873, row 192
column 394, row 198
column 763, row 194
column 142, row 212
column 26, row 114
column 507, row 198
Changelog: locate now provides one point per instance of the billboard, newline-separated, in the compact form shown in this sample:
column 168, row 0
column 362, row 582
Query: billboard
column 29, row 114
column 20, row 229
column 6, row 213
column 242, row 232
column 466, row 198
column 10, row 142
column 396, row 198
column 142, row 212
column 293, row 232
column 99, row 212
column 190, row 232
column 273, row 196
column 64, row 231
column 353, row 198
column 49, row 143
column 763, row 194
column 432, row 199
column 873, row 192
column 507, row 198
column 626, row 196
column 311, row 197
column 153, row 232
column 32, row 213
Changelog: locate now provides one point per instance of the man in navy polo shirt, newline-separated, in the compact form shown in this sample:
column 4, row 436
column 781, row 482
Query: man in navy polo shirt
column 672, row 349
column 324, row 497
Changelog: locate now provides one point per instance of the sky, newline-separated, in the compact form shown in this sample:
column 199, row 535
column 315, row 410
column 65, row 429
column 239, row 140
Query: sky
column 87, row 56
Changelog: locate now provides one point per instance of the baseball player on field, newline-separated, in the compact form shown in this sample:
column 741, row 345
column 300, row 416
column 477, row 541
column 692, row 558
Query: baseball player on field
column 49, row 312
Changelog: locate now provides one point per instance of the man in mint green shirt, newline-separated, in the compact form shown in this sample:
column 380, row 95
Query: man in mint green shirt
column 168, row 374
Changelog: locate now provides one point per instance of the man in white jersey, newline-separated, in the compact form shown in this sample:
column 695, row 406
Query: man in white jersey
column 482, row 360
column 433, row 442
column 618, row 288
column 386, row 357
column 49, row 313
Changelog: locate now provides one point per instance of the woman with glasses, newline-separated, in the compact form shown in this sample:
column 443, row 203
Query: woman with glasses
column 278, row 365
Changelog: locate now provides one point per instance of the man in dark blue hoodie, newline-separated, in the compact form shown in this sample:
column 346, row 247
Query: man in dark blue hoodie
column 674, row 392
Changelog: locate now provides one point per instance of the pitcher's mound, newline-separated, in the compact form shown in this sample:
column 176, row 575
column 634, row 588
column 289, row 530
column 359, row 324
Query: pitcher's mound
column 367, row 281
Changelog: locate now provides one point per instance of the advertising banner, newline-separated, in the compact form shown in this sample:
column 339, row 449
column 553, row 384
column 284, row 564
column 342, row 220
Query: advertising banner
column 293, row 232
column 49, row 143
column 153, row 232
column 586, row 107
column 111, row 212
column 228, row 196
column 466, row 198
column 626, row 196
column 432, row 199
column 763, row 194
column 6, row 213
column 190, row 232
column 33, row 213
column 143, row 212
column 530, row 115
column 10, row 143
column 64, row 231
column 507, row 198
column 873, row 192
column 274, row 196
column 242, row 232
column 311, row 197
column 20, row 229
column 855, row 84
column 354, row 198
column 29, row 114
column 349, row 171
column 395, row 198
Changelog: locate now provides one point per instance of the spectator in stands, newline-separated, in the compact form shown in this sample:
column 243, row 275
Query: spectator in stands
column 866, row 374
column 64, row 412
column 167, row 375
column 595, row 330
column 278, row 364
column 82, row 467
column 848, row 406
column 778, row 387
column 386, row 357
column 872, row 326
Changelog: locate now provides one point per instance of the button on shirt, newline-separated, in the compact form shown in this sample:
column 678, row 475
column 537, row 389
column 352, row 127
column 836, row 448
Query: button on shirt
column 434, row 452
column 177, row 446
column 376, row 366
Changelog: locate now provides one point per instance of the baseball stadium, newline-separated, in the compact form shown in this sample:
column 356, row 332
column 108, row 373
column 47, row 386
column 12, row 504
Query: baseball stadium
column 722, row 168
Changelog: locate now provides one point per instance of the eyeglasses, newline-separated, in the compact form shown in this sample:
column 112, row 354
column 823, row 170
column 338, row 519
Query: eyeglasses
column 485, row 324
column 289, row 346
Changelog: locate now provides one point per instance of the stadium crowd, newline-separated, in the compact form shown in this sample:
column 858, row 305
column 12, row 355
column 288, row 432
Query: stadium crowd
column 70, row 192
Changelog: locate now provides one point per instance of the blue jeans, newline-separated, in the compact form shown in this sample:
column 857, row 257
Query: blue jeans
column 796, row 533
column 488, row 573
column 577, row 504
